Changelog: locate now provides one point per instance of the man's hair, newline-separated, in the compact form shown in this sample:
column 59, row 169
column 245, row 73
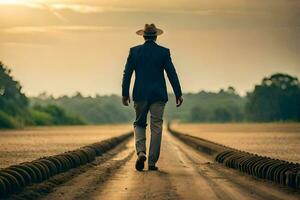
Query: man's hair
column 150, row 37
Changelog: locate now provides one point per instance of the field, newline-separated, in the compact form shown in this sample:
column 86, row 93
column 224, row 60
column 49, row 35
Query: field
column 25, row 145
column 276, row 140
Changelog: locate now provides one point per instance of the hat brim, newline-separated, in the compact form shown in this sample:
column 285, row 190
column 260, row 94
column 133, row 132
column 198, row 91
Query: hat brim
column 142, row 32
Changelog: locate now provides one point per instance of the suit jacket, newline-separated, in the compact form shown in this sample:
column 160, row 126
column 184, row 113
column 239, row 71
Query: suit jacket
column 149, row 61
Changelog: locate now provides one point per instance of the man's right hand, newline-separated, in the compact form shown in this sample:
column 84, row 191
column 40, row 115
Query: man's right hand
column 126, row 101
column 179, row 101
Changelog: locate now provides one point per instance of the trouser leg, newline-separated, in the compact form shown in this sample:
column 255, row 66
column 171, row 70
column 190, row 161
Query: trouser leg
column 140, row 139
column 156, row 122
column 140, row 124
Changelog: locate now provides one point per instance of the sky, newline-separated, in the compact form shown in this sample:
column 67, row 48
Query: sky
column 61, row 47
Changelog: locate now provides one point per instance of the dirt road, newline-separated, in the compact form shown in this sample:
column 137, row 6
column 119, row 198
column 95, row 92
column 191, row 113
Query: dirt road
column 184, row 174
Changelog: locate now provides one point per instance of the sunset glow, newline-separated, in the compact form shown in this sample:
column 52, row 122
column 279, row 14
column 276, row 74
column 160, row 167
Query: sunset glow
column 22, row 2
column 10, row 1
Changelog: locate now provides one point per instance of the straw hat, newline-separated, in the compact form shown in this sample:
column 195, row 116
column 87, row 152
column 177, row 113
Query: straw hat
column 149, row 30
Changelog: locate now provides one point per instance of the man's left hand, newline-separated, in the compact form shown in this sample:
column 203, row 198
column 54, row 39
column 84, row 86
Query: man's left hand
column 126, row 101
column 179, row 101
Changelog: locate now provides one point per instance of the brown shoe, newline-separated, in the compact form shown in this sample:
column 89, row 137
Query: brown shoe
column 139, row 164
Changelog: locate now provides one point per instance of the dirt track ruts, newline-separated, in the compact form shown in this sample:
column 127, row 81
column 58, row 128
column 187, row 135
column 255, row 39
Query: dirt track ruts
column 184, row 174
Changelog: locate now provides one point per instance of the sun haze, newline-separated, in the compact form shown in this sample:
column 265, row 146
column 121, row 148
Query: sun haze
column 81, row 45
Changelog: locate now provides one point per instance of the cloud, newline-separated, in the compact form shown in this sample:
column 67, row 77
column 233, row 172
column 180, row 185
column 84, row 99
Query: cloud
column 55, row 8
column 22, row 3
column 77, row 8
column 23, row 44
column 35, row 5
column 53, row 29
column 86, row 9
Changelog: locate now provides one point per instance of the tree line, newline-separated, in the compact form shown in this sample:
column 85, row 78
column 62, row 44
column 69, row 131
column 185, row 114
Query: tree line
column 276, row 98
column 94, row 110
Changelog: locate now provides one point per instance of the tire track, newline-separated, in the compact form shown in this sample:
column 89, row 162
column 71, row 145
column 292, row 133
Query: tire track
column 127, row 183
column 218, row 191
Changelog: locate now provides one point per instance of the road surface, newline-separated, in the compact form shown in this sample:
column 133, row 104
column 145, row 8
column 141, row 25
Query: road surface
column 184, row 174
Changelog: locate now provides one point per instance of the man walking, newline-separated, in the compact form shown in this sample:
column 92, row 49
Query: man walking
column 149, row 61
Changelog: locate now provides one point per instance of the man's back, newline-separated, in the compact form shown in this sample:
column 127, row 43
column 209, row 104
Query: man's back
column 149, row 62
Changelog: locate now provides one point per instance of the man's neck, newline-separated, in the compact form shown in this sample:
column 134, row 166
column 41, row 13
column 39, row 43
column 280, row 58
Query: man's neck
column 150, row 41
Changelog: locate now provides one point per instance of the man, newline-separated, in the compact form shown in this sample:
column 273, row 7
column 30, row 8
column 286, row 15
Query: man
column 149, row 61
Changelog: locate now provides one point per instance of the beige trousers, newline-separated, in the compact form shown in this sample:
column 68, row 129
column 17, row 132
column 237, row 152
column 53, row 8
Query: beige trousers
column 156, row 121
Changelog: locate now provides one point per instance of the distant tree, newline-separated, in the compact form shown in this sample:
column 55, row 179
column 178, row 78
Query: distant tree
column 198, row 114
column 236, row 113
column 52, row 114
column 221, row 115
column 12, row 99
column 44, row 95
column 221, row 91
column 276, row 98
column 78, row 95
column 231, row 90
column 201, row 107
column 93, row 110
column 6, row 121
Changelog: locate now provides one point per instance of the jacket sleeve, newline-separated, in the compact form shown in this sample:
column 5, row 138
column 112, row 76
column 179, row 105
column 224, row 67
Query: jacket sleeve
column 127, row 75
column 172, row 75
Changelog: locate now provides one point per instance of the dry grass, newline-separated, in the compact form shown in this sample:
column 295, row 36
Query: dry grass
column 25, row 145
column 276, row 140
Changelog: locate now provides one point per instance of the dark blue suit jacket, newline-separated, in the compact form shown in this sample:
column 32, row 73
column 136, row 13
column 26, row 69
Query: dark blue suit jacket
column 149, row 61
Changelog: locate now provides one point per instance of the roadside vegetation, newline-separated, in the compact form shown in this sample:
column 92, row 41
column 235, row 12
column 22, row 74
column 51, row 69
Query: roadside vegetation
column 94, row 110
column 276, row 98
column 15, row 111
column 222, row 106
